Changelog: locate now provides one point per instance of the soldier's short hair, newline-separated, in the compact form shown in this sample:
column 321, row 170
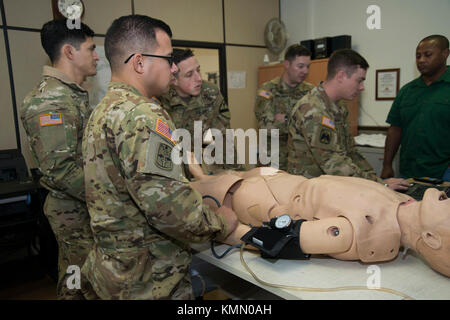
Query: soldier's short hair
column 442, row 41
column 55, row 34
column 131, row 34
column 181, row 55
column 347, row 60
column 296, row 50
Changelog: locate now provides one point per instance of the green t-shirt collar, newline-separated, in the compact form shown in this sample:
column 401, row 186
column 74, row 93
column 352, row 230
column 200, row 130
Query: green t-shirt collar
column 445, row 77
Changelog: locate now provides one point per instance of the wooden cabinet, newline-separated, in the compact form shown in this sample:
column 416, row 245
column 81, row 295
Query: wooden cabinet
column 317, row 73
column 267, row 73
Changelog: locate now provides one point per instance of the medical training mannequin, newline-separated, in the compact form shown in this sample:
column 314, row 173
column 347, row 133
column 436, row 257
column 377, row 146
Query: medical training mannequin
column 347, row 218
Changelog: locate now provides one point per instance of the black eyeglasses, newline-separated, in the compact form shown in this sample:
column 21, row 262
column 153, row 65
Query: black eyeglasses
column 168, row 58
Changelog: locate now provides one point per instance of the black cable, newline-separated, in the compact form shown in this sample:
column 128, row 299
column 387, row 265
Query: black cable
column 212, row 241
column 226, row 251
column 211, row 197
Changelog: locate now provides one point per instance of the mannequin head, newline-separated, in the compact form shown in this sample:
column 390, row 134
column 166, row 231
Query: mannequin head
column 434, row 242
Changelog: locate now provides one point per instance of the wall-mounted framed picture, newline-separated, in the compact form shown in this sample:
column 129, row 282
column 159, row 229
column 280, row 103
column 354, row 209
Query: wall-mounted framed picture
column 387, row 84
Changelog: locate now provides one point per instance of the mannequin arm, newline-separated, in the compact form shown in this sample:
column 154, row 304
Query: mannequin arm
column 332, row 236
column 235, row 236
column 326, row 236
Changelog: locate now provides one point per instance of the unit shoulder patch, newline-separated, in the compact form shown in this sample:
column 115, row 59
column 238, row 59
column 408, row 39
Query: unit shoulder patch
column 325, row 136
column 163, row 157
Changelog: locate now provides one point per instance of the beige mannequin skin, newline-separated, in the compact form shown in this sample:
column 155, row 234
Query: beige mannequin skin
column 348, row 218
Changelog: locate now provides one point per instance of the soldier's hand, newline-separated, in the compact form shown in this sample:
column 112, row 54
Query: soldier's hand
column 194, row 168
column 397, row 184
column 230, row 217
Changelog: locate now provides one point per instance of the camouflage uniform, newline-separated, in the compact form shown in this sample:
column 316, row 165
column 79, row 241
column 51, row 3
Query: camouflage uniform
column 320, row 141
column 143, row 211
column 276, row 97
column 210, row 108
column 54, row 115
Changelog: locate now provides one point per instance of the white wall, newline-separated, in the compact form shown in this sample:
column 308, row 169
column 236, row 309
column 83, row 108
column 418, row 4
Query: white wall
column 403, row 24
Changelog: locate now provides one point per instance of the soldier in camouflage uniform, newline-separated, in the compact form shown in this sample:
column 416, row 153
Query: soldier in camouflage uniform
column 276, row 98
column 319, row 137
column 54, row 115
column 143, row 211
column 192, row 99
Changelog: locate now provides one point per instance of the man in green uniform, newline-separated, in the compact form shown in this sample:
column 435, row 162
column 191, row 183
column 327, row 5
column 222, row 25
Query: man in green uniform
column 420, row 117
column 276, row 98
column 54, row 115
column 143, row 211
column 191, row 99
column 319, row 137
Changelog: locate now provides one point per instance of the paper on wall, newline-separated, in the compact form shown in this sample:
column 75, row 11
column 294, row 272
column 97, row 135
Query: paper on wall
column 236, row 79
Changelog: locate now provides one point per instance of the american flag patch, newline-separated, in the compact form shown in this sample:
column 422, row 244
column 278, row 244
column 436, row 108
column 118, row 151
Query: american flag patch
column 328, row 122
column 50, row 119
column 265, row 94
column 163, row 129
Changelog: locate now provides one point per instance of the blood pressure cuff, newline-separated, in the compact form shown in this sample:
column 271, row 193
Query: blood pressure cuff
column 275, row 243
